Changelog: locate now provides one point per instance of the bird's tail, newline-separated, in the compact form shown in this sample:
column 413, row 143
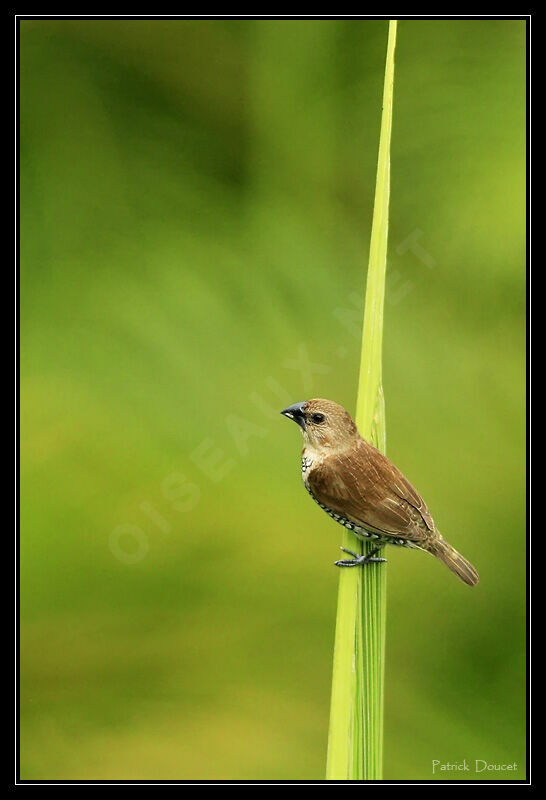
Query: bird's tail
column 454, row 560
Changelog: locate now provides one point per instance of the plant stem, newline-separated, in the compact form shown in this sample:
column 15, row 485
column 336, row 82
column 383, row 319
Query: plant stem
column 355, row 744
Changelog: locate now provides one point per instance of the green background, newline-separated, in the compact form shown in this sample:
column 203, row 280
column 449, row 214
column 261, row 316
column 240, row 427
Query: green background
column 195, row 219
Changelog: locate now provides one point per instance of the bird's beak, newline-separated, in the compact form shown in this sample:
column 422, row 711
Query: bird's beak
column 295, row 412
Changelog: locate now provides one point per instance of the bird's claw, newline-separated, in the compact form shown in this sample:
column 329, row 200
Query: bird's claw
column 358, row 558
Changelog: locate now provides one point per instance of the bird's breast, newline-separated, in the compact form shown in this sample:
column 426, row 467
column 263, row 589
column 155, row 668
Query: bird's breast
column 306, row 464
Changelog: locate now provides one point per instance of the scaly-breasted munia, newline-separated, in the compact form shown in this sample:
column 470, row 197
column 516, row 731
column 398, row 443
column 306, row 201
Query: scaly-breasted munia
column 361, row 489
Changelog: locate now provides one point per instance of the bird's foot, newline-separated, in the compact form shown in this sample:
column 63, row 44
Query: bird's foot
column 358, row 558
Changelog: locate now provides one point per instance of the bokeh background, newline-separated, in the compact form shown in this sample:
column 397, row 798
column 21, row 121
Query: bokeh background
column 195, row 219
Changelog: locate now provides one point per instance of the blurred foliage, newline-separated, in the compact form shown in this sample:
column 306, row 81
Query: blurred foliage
column 195, row 219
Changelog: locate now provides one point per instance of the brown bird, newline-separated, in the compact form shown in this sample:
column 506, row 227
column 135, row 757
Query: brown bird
column 361, row 489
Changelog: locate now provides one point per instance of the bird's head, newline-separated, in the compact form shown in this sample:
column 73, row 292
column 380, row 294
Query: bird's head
column 325, row 425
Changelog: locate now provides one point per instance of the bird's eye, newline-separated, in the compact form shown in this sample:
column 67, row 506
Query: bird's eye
column 317, row 418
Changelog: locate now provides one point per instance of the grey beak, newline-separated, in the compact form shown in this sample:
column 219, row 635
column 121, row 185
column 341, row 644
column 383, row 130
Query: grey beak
column 295, row 412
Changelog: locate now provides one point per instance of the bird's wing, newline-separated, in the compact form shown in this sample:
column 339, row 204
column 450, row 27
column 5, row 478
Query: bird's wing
column 366, row 488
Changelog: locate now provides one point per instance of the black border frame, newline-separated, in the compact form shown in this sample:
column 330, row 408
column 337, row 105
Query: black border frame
column 18, row 781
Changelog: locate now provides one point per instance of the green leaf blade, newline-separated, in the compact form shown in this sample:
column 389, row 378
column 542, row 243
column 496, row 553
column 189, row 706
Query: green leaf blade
column 355, row 744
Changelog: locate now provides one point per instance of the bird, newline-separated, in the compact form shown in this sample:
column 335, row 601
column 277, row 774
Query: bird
column 361, row 489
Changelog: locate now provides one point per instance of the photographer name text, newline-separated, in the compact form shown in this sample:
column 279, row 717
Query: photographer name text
column 476, row 765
